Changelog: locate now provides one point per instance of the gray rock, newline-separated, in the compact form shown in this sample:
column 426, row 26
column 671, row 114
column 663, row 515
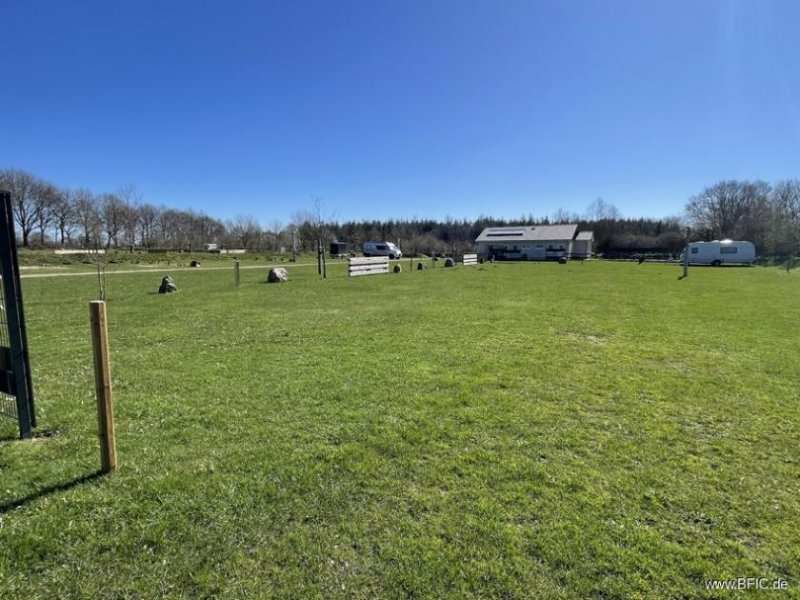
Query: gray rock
column 277, row 275
column 562, row 260
column 167, row 286
column 449, row 262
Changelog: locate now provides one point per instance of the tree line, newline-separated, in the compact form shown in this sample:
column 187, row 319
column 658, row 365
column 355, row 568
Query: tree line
column 48, row 215
column 766, row 214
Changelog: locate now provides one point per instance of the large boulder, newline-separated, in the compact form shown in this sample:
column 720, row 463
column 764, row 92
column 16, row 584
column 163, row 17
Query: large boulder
column 167, row 286
column 277, row 275
column 449, row 262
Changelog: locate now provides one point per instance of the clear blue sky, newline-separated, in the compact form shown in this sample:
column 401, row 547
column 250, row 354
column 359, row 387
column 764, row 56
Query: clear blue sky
column 403, row 108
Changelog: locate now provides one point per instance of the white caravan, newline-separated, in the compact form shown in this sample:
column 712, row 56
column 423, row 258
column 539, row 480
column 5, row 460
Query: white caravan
column 381, row 249
column 717, row 253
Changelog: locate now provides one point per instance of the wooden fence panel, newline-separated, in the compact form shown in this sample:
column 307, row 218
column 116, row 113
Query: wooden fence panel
column 368, row 266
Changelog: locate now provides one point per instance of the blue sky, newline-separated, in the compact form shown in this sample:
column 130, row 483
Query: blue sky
column 401, row 109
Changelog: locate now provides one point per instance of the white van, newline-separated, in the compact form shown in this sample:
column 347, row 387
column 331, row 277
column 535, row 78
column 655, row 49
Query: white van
column 381, row 249
column 717, row 253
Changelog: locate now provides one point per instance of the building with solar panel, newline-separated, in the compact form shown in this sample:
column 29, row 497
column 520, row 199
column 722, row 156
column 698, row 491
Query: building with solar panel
column 534, row 242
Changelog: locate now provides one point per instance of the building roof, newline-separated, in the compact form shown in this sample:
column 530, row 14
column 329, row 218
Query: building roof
column 585, row 235
column 527, row 233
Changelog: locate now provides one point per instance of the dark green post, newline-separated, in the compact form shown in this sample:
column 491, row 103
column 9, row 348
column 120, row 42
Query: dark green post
column 17, row 375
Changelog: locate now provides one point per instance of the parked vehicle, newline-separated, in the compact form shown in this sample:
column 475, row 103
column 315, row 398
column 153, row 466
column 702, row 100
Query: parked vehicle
column 381, row 249
column 718, row 253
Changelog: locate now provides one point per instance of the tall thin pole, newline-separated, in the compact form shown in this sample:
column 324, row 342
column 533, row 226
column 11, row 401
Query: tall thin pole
column 102, row 378
column 686, row 256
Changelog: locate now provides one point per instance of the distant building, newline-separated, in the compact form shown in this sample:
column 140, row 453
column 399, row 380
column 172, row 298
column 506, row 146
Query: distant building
column 341, row 249
column 583, row 245
column 534, row 242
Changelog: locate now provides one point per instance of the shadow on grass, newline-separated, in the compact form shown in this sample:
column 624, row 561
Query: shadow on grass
column 53, row 489
column 37, row 435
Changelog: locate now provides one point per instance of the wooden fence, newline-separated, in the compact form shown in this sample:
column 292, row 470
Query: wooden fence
column 470, row 259
column 368, row 266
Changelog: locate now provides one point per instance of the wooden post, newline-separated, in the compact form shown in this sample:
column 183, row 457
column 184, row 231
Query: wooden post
column 102, row 378
column 686, row 256
column 236, row 273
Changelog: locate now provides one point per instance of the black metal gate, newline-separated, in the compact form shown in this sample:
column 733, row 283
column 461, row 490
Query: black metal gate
column 16, row 390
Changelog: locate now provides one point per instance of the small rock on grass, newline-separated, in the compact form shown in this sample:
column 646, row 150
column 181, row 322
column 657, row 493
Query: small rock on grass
column 277, row 275
column 167, row 286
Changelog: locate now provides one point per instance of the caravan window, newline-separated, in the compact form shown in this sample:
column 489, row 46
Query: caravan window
column 695, row 250
column 728, row 250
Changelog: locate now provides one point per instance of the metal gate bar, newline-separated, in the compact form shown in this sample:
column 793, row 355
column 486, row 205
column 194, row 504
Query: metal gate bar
column 15, row 372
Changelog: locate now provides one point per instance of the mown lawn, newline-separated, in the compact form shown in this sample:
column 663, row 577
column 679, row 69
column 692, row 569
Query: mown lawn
column 506, row 430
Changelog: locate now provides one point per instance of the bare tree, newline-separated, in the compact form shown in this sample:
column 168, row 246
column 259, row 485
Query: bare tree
column 113, row 212
column 320, row 232
column 563, row 216
column 86, row 211
column 22, row 186
column 600, row 210
column 785, row 230
column 756, row 224
column 302, row 231
column 245, row 229
column 720, row 211
column 163, row 228
column 175, row 229
column 63, row 212
column 275, row 230
column 146, row 215
column 206, row 230
column 87, row 216
column 44, row 196
column 129, row 217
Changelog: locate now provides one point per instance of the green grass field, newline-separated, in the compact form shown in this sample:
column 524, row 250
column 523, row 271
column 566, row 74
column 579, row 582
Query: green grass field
column 590, row 430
